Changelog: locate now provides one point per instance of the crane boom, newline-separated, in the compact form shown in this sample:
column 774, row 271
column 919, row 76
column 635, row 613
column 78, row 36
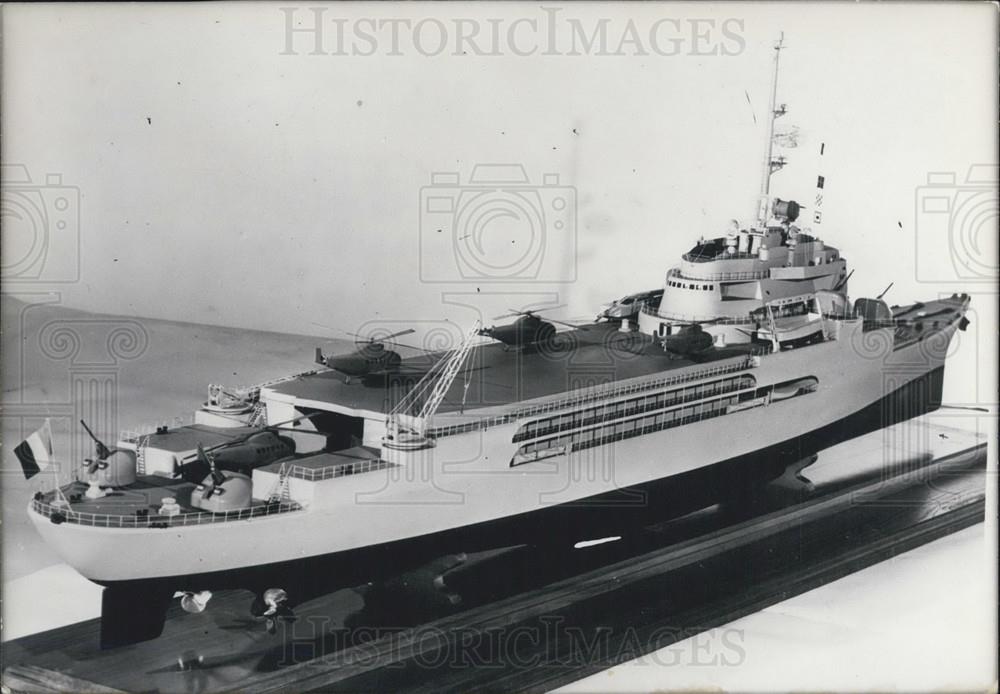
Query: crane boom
column 435, row 384
column 447, row 376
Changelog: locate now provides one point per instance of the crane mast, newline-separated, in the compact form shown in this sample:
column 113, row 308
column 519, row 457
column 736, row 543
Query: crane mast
column 447, row 376
column 435, row 384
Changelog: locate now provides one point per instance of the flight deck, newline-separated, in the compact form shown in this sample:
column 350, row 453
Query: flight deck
column 592, row 356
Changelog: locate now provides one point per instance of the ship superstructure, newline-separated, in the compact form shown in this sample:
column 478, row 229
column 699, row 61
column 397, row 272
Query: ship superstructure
column 721, row 280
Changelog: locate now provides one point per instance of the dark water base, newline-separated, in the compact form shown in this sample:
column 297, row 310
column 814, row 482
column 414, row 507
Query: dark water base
column 135, row 611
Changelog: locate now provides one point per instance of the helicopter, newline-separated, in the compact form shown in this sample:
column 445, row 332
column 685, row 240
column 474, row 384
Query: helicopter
column 527, row 331
column 241, row 455
column 689, row 339
column 370, row 359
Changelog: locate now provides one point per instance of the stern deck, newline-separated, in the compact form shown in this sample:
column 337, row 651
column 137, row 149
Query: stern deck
column 138, row 506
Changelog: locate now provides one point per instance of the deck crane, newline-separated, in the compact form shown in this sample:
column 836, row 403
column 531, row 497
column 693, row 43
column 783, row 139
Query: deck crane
column 411, row 434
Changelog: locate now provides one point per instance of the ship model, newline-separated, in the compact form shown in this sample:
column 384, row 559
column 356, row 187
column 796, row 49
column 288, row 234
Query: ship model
column 753, row 359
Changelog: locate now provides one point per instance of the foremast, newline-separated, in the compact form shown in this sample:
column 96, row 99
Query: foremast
column 771, row 163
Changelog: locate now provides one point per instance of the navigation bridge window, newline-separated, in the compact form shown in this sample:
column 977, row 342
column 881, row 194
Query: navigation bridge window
column 690, row 285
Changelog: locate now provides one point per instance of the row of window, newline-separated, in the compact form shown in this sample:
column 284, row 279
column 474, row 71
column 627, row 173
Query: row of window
column 798, row 308
column 597, row 436
column 632, row 406
column 690, row 285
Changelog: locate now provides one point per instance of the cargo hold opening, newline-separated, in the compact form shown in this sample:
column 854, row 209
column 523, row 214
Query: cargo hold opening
column 341, row 431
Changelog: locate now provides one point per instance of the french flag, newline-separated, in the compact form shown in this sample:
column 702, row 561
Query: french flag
column 35, row 452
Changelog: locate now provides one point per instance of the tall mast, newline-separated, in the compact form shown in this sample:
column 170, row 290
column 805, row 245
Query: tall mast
column 770, row 164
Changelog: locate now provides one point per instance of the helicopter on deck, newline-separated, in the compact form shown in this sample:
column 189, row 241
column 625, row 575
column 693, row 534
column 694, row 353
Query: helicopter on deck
column 241, row 455
column 116, row 467
column 370, row 359
column 528, row 330
column 686, row 340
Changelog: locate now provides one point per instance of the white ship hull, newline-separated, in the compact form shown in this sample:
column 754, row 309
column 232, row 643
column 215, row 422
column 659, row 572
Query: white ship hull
column 467, row 480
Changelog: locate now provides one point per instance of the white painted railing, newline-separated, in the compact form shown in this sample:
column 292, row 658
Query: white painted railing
column 67, row 514
column 339, row 470
column 592, row 394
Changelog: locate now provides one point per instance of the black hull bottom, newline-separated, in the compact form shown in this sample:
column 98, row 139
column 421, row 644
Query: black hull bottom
column 599, row 516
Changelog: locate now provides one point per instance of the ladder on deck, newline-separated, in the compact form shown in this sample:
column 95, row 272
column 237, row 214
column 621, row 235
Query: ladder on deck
column 258, row 416
column 281, row 493
column 140, row 455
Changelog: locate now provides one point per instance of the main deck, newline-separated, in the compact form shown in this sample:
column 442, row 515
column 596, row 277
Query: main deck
column 599, row 360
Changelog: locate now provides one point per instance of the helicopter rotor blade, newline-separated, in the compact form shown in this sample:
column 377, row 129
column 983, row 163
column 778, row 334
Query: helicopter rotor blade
column 299, row 431
column 419, row 349
column 243, row 439
column 400, row 333
column 325, row 327
column 356, row 336
column 380, row 338
column 568, row 325
column 211, row 449
column 527, row 311
column 511, row 312
column 293, row 420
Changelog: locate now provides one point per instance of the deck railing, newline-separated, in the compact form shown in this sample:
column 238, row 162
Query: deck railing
column 134, row 434
column 721, row 255
column 692, row 318
column 593, row 394
column 608, row 413
column 66, row 514
column 339, row 470
column 719, row 276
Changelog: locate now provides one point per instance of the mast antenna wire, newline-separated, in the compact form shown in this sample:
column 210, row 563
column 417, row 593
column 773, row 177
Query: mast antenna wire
column 750, row 104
